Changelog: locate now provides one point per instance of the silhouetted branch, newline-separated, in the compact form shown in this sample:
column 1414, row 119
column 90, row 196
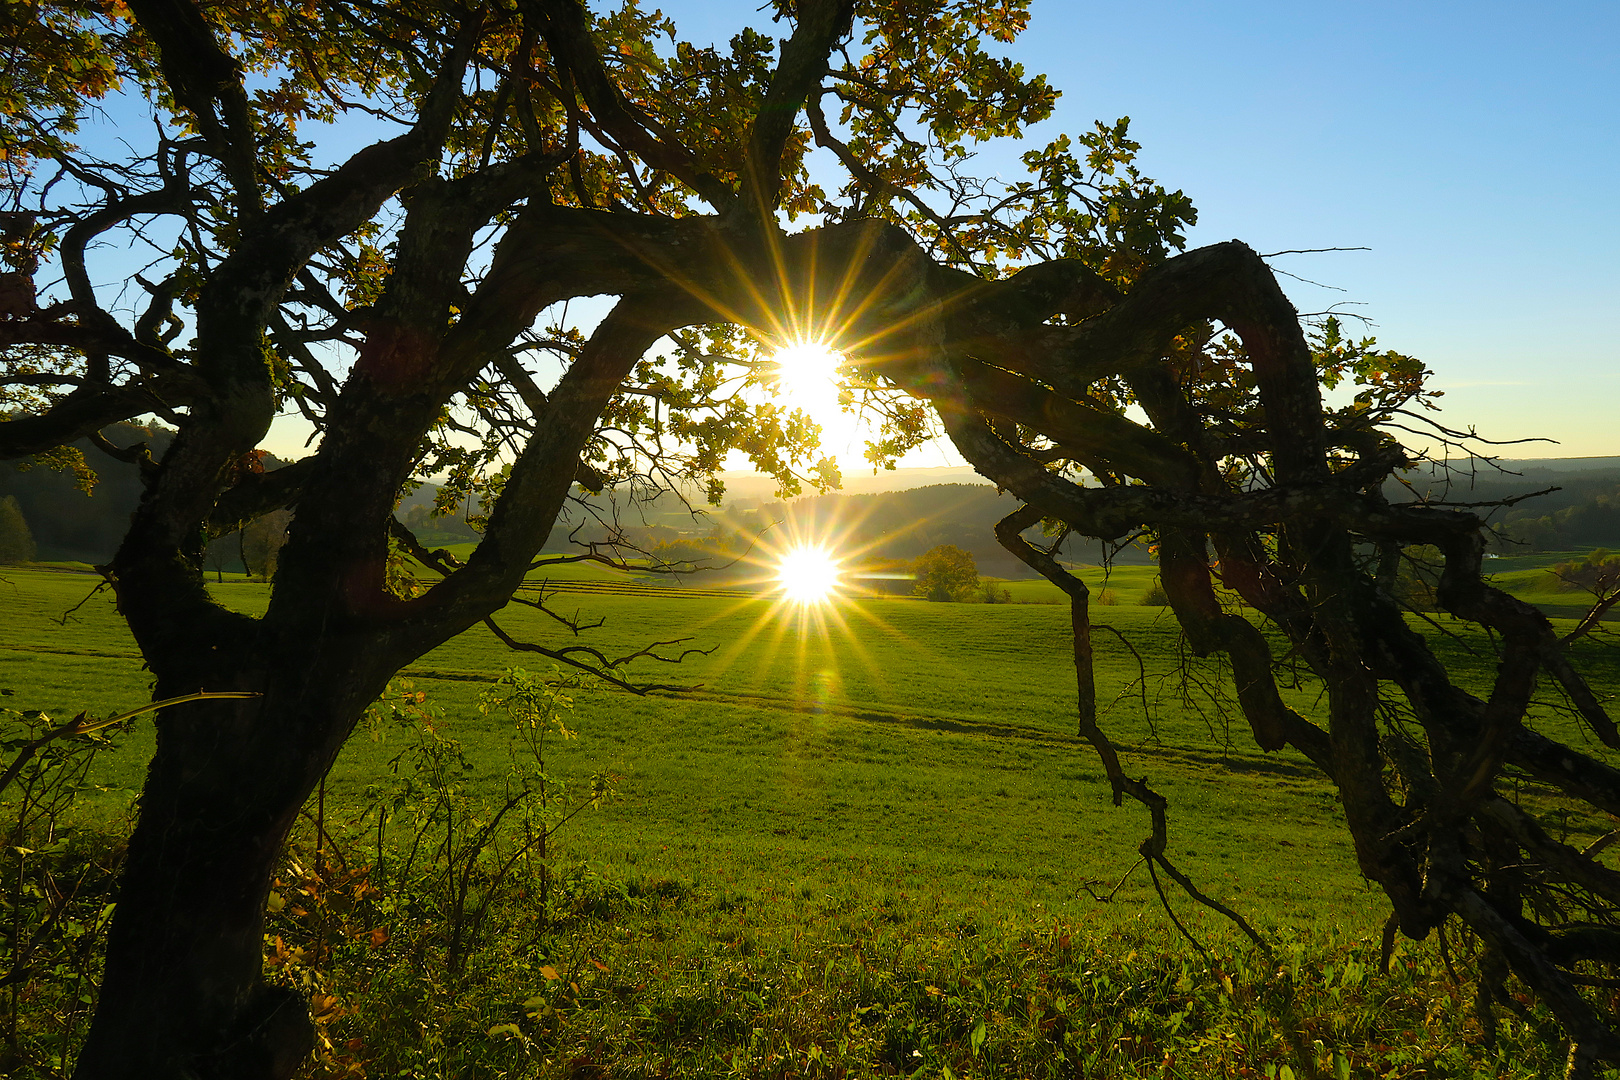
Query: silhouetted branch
column 602, row 668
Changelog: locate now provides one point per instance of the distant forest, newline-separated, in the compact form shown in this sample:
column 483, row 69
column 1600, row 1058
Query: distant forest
column 1583, row 512
column 68, row 524
column 888, row 527
column 71, row 525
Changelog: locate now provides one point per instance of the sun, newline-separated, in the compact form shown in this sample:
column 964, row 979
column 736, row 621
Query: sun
column 808, row 575
column 807, row 377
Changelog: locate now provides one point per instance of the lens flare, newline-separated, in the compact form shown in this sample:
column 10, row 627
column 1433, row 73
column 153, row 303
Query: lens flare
column 808, row 575
column 807, row 378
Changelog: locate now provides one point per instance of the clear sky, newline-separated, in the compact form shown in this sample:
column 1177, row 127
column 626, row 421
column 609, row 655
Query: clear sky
column 1475, row 147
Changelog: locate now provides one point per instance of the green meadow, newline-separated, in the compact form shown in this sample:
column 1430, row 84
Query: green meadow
column 890, row 738
column 861, row 840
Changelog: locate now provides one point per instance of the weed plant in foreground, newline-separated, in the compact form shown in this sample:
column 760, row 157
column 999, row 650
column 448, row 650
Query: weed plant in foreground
column 636, row 977
column 656, row 977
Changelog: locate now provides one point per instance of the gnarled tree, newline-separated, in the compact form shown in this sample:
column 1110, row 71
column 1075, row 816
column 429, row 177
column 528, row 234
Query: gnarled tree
column 405, row 298
column 1269, row 509
column 409, row 298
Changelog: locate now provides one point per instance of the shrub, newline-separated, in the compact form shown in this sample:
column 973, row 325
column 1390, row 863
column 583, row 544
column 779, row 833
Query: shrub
column 946, row 573
column 16, row 541
column 1598, row 573
column 1155, row 597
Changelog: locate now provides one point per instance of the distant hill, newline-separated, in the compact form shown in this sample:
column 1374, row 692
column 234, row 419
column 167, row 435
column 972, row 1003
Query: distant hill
column 895, row 515
column 904, row 524
column 859, row 481
column 876, row 527
column 1562, row 465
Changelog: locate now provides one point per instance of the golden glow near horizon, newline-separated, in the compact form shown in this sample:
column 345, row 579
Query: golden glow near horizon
column 808, row 575
column 807, row 380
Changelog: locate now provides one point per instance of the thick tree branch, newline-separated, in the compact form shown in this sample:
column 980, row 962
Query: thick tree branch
column 257, row 494
column 206, row 80
column 568, row 35
column 86, row 410
column 821, row 25
column 540, row 478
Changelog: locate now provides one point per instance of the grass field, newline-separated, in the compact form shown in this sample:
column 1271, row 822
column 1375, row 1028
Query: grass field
column 893, row 735
column 893, row 738
column 874, row 777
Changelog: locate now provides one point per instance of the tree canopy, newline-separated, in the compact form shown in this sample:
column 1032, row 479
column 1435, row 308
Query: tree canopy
column 419, row 301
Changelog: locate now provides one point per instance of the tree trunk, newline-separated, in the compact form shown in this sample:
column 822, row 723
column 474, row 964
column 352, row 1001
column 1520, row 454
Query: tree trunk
column 183, row 994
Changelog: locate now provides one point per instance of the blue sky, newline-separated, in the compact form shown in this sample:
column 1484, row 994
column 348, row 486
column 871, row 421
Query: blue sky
column 1474, row 147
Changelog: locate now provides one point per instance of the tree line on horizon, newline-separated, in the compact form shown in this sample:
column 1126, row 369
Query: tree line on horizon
column 70, row 524
column 71, row 518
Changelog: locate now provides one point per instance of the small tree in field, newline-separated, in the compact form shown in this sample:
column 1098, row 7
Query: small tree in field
column 1598, row 573
column 946, row 573
column 16, row 541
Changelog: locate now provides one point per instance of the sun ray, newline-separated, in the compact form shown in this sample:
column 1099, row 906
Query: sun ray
column 806, row 379
column 808, row 575
column 805, row 647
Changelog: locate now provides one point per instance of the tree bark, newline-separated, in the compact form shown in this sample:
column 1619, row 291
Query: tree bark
column 184, row 994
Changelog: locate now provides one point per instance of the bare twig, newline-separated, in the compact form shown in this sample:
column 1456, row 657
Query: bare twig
column 82, row 725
